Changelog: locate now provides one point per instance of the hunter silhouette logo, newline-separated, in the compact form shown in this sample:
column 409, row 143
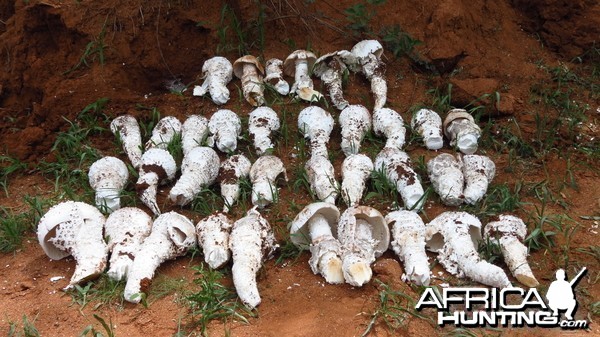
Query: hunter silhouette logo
column 491, row 307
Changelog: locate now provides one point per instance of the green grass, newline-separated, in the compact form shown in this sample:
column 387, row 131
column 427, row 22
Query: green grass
column 9, row 166
column 94, row 51
column 12, row 229
column 102, row 291
column 27, row 328
column 108, row 328
column 499, row 199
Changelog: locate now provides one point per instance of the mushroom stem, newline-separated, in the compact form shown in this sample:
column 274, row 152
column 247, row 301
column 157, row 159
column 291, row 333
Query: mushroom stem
column 325, row 250
column 396, row 165
column 230, row 173
column 447, row 178
column 193, row 133
column 263, row 174
column 428, row 124
column 252, row 85
column 356, row 262
column 128, row 131
column 261, row 123
column 356, row 169
column 217, row 73
column 147, row 186
column 333, row 82
column 389, row 123
column 275, row 77
column 213, row 237
column 225, row 127
column 479, row 172
column 164, row 132
column 462, row 131
column 355, row 121
column 321, row 176
column 198, row 169
column 408, row 233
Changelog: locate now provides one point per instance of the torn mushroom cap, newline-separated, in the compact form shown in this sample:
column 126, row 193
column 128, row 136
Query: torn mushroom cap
column 274, row 68
column 126, row 229
column 299, row 65
column 213, row 238
column 225, row 127
column 164, row 132
column 231, row 171
column 408, row 233
column 193, row 133
column 158, row 167
column 127, row 129
column 316, row 124
column 479, row 172
column 356, row 169
column 199, row 169
column 321, row 176
column 396, row 165
column 250, row 71
column 368, row 56
column 509, row 232
column 216, row 73
column 460, row 128
column 75, row 228
column 446, row 175
column 330, row 68
column 261, row 123
column 428, row 124
column 355, row 121
column 365, row 47
column 390, row 124
column 107, row 176
column 263, row 175
column 315, row 228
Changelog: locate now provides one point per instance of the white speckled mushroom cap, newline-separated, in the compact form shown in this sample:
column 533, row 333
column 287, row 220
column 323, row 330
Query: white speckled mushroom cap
column 299, row 231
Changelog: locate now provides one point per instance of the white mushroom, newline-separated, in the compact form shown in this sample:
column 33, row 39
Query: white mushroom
column 397, row 167
column 321, row 177
column 158, row 168
column 390, row 124
column 330, row 68
column 298, row 65
column 127, row 129
column 446, row 175
column 163, row 133
column 213, row 238
column 225, row 127
column 263, row 175
column 251, row 242
column 199, row 169
column 355, row 121
column 455, row 237
column 126, row 229
column 428, row 124
column 216, row 73
column 509, row 232
column 108, row 176
column 75, row 228
column 356, row 169
column 231, row 171
column 367, row 55
column 479, row 172
column 275, row 76
column 262, row 122
column 249, row 70
column 408, row 233
column 461, row 130
column 364, row 236
column 316, row 125
column 193, row 133
column 315, row 228
column 172, row 236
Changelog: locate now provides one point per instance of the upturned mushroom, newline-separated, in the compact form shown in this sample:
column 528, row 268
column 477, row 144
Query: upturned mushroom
column 355, row 121
column 213, row 238
column 126, row 229
column 163, row 133
column 263, row 175
column 446, row 175
column 316, row 125
column 263, row 121
column 231, row 171
column 428, row 124
column 509, row 233
column 172, row 236
column 455, row 237
column 315, row 228
column 364, row 236
column 274, row 68
column 107, row 177
column 193, row 133
column 408, row 242
column 251, row 242
column 367, row 56
column 158, row 168
column 217, row 73
column 249, row 70
column 461, row 130
column 356, row 169
column 225, row 127
column 479, row 172
column 127, row 130
column 75, row 228
column 390, row 124
column 331, row 68
column 397, row 167
column 199, row 169
column 321, row 177
column 298, row 65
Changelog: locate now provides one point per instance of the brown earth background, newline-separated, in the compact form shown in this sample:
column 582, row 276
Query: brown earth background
column 525, row 53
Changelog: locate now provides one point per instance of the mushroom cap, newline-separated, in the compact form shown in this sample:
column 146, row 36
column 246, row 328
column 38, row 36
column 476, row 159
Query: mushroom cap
column 379, row 228
column 108, row 168
column 217, row 61
column 289, row 65
column 299, row 228
column 365, row 47
column 238, row 65
column 457, row 114
column 322, row 63
column 159, row 161
column 314, row 118
column 451, row 221
column 506, row 225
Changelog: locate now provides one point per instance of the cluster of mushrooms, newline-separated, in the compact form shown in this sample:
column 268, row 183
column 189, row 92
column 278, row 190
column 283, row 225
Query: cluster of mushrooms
column 343, row 245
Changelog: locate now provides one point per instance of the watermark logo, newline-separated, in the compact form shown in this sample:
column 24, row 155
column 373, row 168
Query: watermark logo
column 516, row 307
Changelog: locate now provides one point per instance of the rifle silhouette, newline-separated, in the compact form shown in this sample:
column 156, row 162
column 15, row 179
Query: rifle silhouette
column 577, row 277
